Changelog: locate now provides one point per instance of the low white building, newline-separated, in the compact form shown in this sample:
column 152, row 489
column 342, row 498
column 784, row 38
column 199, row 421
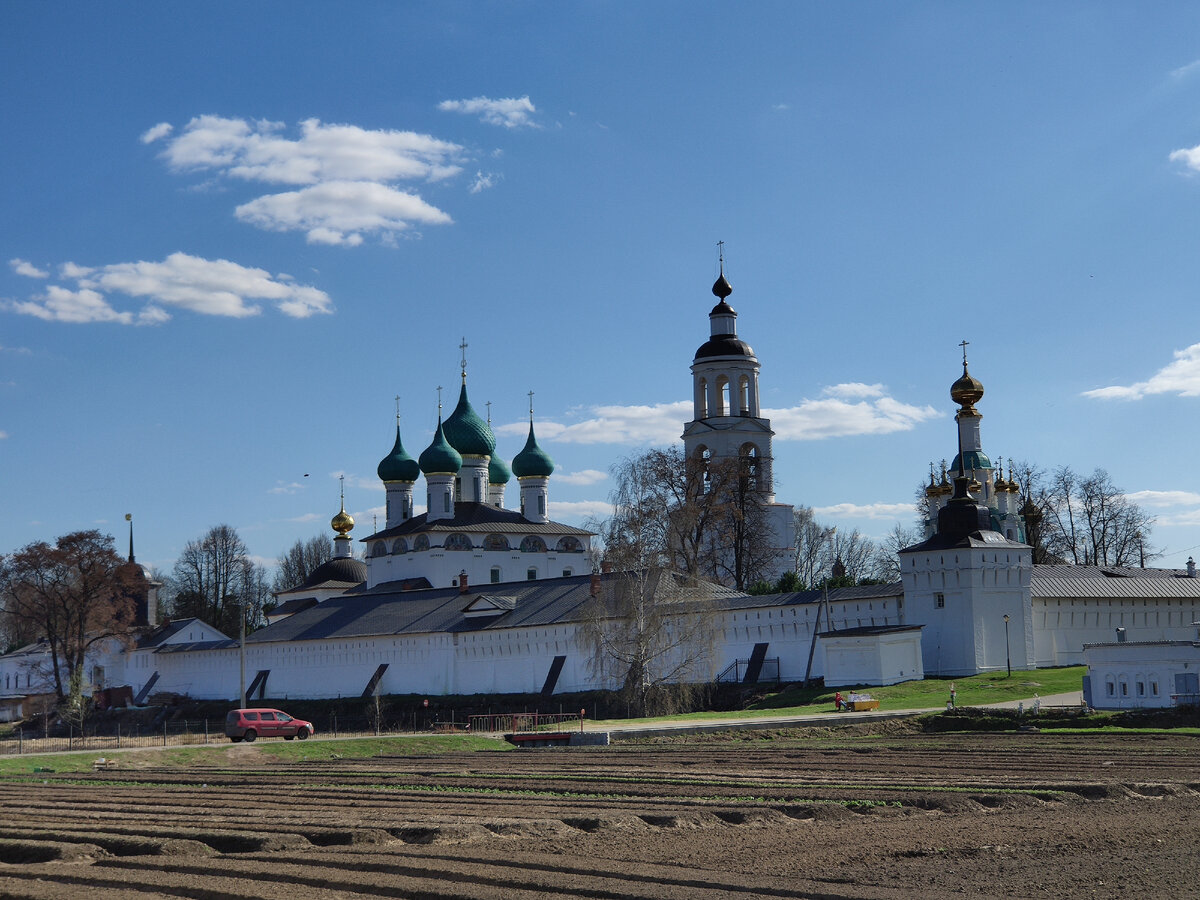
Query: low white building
column 1142, row 674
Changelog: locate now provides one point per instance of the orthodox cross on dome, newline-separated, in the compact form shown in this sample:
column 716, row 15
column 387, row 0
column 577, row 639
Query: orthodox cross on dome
column 397, row 409
column 489, row 409
column 964, row 345
column 342, row 489
column 129, row 519
column 439, row 390
column 531, row 406
column 463, row 348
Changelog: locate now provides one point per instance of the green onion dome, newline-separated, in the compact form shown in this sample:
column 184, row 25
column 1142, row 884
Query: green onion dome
column 498, row 471
column 466, row 431
column 439, row 458
column 398, row 465
column 533, row 460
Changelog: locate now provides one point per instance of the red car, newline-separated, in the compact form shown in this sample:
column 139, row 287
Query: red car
column 248, row 724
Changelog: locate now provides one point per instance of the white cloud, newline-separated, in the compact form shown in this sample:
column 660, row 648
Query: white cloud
column 346, row 174
column 1190, row 157
column 1182, row 377
column 582, row 477
column 307, row 517
column 1164, row 498
column 3, row 435
column 869, row 511
column 1184, row 71
column 161, row 130
column 61, row 305
column 780, row 107
column 209, row 287
column 510, row 112
column 483, row 182
column 578, row 510
column 28, row 269
column 286, row 488
column 844, row 410
column 339, row 212
column 257, row 151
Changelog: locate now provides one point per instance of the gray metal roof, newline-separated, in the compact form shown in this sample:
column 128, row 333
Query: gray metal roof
column 478, row 518
column 1082, row 582
column 547, row 602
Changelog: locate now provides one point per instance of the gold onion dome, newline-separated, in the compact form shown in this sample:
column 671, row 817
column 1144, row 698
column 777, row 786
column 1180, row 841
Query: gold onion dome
column 342, row 523
column 967, row 391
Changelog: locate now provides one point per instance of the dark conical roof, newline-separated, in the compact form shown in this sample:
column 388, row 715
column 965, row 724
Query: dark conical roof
column 466, row 431
column 533, row 460
column 439, row 458
column 398, row 465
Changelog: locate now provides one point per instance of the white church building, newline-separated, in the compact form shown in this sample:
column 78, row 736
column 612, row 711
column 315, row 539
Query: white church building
column 474, row 597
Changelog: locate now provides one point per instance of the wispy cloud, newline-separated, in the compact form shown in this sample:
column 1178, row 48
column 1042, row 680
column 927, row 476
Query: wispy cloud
column 842, row 410
column 208, row 287
column 1186, row 71
column 286, row 488
column 1164, row 498
column 868, row 511
column 3, row 435
column 346, row 175
column 577, row 511
column 582, row 477
column 28, row 269
column 1182, row 377
column 161, row 130
column 307, row 517
column 509, row 112
column 483, row 182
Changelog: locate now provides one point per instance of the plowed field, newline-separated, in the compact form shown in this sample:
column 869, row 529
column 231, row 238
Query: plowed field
column 900, row 816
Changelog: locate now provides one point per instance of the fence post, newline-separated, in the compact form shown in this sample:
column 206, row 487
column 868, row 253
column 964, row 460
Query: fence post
column 20, row 741
column 118, row 735
column 164, row 731
column 206, row 731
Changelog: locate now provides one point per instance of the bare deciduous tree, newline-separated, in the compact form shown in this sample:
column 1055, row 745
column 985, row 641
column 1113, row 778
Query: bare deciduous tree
column 215, row 577
column 300, row 561
column 653, row 632
column 75, row 594
column 1085, row 520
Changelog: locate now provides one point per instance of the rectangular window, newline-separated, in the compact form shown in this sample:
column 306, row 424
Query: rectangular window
column 1154, row 688
column 495, row 576
column 1124, row 689
column 446, row 502
column 541, row 504
column 531, row 575
column 940, row 601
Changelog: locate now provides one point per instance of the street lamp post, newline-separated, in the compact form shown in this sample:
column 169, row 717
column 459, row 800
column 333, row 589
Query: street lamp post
column 242, row 651
column 1007, row 650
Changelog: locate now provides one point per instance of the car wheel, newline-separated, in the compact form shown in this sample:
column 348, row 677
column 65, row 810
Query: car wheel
column 302, row 734
column 250, row 735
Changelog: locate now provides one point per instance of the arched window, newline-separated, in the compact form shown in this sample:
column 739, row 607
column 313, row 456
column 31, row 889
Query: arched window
column 722, row 403
column 379, row 548
column 400, row 545
column 744, row 396
column 702, row 399
column 569, row 544
column 457, row 542
column 495, row 574
column 495, row 542
column 531, row 574
column 533, row 544
column 422, row 542
column 567, row 573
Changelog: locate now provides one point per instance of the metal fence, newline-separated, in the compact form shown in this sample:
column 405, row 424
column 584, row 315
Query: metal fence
column 192, row 732
column 516, row 723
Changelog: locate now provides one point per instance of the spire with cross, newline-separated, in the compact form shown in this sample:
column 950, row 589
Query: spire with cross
column 463, row 348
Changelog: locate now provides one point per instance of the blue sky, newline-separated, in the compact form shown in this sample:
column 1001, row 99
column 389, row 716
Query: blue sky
column 234, row 233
